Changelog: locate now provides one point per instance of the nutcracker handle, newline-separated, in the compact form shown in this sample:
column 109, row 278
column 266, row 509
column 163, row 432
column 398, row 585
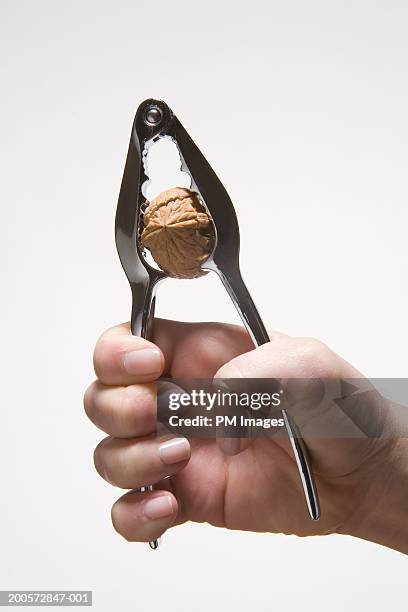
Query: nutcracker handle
column 143, row 307
column 232, row 280
column 141, row 324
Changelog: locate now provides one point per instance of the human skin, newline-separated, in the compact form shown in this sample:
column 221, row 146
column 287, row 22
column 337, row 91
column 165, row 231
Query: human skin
column 253, row 487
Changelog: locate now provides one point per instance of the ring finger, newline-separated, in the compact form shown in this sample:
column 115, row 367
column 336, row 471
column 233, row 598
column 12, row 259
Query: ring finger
column 130, row 464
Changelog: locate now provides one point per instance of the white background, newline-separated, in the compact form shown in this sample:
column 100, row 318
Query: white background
column 301, row 107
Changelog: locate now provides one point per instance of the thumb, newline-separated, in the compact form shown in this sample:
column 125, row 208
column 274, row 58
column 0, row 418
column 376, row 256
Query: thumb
column 311, row 375
column 259, row 362
column 246, row 365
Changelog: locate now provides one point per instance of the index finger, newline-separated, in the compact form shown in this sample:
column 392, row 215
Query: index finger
column 123, row 359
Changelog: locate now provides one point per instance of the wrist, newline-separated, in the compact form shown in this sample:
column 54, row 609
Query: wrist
column 381, row 516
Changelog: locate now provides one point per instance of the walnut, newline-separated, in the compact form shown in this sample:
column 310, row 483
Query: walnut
column 178, row 232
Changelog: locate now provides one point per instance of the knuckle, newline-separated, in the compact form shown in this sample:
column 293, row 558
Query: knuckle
column 130, row 398
column 104, row 350
column 113, row 463
column 89, row 400
column 102, row 466
column 202, row 349
column 311, row 346
column 138, row 408
column 125, row 517
column 318, row 360
column 117, row 522
column 103, row 405
column 109, row 353
column 97, row 459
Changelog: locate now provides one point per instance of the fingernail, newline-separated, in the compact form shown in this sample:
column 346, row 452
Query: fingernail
column 175, row 450
column 229, row 446
column 158, row 507
column 143, row 362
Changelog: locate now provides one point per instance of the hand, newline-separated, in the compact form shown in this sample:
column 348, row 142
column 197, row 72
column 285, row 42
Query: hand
column 257, row 489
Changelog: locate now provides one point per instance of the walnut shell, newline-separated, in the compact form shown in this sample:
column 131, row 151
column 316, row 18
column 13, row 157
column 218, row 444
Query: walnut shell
column 178, row 232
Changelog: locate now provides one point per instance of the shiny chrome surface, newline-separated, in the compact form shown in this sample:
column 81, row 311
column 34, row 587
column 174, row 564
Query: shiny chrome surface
column 153, row 120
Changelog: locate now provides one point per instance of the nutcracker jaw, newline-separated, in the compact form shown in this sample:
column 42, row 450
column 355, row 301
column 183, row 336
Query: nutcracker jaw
column 154, row 120
column 142, row 277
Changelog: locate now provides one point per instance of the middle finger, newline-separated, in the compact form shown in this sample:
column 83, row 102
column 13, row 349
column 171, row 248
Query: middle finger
column 129, row 464
column 122, row 412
